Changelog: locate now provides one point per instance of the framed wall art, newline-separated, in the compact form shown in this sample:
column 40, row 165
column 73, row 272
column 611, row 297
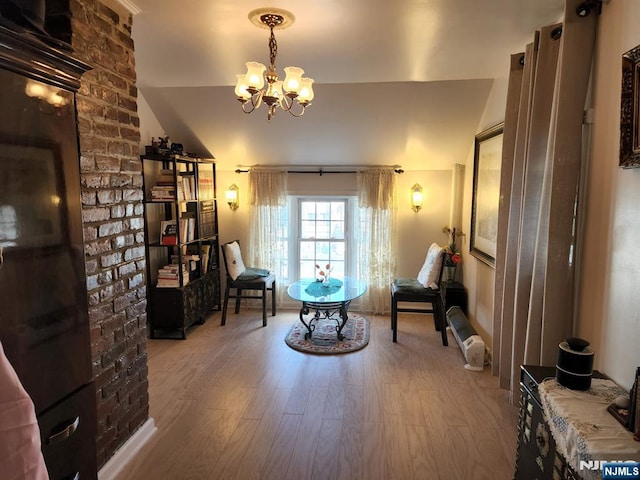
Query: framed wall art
column 487, row 163
column 630, row 110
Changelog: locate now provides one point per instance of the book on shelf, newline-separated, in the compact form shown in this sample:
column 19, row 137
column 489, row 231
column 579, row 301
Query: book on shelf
column 205, row 183
column 205, row 257
column 168, row 232
column 187, row 227
column 206, row 221
column 187, row 180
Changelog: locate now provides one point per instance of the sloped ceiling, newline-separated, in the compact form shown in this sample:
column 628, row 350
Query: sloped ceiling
column 396, row 82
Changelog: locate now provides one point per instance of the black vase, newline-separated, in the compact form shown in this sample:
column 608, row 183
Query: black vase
column 574, row 367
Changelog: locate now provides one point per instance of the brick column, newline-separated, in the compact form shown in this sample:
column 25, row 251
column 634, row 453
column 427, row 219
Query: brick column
column 111, row 176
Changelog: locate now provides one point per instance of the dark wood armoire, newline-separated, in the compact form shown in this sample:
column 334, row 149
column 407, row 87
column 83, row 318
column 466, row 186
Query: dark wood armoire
column 44, row 325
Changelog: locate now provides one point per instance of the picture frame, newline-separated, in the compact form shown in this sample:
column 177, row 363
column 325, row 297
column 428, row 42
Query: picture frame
column 630, row 110
column 487, row 164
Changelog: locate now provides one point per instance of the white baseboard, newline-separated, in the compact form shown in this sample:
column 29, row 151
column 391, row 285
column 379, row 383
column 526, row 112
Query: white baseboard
column 127, row 451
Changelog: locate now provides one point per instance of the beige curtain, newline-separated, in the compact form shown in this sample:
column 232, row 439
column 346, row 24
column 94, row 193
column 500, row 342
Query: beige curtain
column 268, row 228
column 377, row 238
column 542, row 156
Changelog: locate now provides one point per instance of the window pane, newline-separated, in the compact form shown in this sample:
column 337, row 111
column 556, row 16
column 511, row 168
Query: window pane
column 322, row 252
column 337, row 251
column 323, row 210
column 307, row 269
column 323, row 230
column 337, row 230
column 308, row 229
column 337, row 269
column 308, row 210
column 337, row 211
column 307, row 251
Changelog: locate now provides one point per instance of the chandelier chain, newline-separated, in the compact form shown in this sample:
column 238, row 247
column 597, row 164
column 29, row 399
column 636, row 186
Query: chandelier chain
column 273, row 49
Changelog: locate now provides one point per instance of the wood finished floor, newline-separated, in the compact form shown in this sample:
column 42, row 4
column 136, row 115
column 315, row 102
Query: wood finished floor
column 235, row 402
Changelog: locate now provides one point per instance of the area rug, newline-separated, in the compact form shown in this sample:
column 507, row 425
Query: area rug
column 324, row 340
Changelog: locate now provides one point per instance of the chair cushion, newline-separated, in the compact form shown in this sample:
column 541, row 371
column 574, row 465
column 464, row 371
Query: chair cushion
column 235, row 265
column 410, row 285
column 430, row 270
column 252, row 274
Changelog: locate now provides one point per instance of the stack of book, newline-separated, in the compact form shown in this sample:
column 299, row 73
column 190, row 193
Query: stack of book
column 165, row 189
column 168, row 276
column 161, row 193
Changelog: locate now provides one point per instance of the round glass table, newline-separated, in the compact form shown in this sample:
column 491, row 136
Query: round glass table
column 327, row 299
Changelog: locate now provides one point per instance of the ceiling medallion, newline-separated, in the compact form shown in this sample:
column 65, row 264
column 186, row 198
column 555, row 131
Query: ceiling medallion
column 293, row 95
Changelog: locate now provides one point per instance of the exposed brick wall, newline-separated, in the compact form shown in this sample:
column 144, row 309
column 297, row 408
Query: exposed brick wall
column 111, row 175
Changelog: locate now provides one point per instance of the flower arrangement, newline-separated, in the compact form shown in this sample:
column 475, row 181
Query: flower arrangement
column 323, row 275
column 453, row 257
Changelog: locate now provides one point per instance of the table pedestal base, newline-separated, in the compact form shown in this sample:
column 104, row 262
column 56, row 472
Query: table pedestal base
column 324, row 310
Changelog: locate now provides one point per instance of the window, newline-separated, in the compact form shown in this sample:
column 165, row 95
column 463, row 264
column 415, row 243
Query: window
column 322, row 230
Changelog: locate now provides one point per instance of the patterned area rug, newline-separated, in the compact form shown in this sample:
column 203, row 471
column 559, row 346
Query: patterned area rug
column 324, row 340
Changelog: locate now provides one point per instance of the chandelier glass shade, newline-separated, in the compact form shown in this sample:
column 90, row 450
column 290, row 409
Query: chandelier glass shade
column 292, row 95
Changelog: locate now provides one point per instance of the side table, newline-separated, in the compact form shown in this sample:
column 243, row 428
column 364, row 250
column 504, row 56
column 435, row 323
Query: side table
column 456, row 296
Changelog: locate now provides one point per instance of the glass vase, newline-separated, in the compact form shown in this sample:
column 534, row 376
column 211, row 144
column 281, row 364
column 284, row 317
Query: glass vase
column 450, row 273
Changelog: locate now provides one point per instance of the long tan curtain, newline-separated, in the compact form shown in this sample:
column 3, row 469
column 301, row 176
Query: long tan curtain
column 268, row 228
column 542, row 156
column 377, row 239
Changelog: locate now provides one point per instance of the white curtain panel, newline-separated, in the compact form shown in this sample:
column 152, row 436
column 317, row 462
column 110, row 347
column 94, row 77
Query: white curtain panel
column 542, row 158
column 268, row 229
column 377, row 237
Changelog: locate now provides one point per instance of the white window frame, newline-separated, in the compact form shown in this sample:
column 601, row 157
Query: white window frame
column 351, row 228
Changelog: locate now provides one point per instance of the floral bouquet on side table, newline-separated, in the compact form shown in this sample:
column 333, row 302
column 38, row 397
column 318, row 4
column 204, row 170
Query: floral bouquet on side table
column 452, row 257
column 323, row 275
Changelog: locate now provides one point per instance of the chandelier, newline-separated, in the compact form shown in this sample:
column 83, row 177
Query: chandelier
column 293, row 95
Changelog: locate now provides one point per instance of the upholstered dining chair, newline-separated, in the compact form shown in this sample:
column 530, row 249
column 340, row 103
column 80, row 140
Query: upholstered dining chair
column 428, row 288
column 243, row 280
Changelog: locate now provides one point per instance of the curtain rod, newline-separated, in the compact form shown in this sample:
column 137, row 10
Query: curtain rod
column 321, row 170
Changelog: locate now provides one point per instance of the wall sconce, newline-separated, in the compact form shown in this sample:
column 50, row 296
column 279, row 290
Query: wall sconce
column 416, row 198
column 232, row 196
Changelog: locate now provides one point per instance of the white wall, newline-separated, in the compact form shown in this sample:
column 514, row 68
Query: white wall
column 609, row 302
column 149, row 125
